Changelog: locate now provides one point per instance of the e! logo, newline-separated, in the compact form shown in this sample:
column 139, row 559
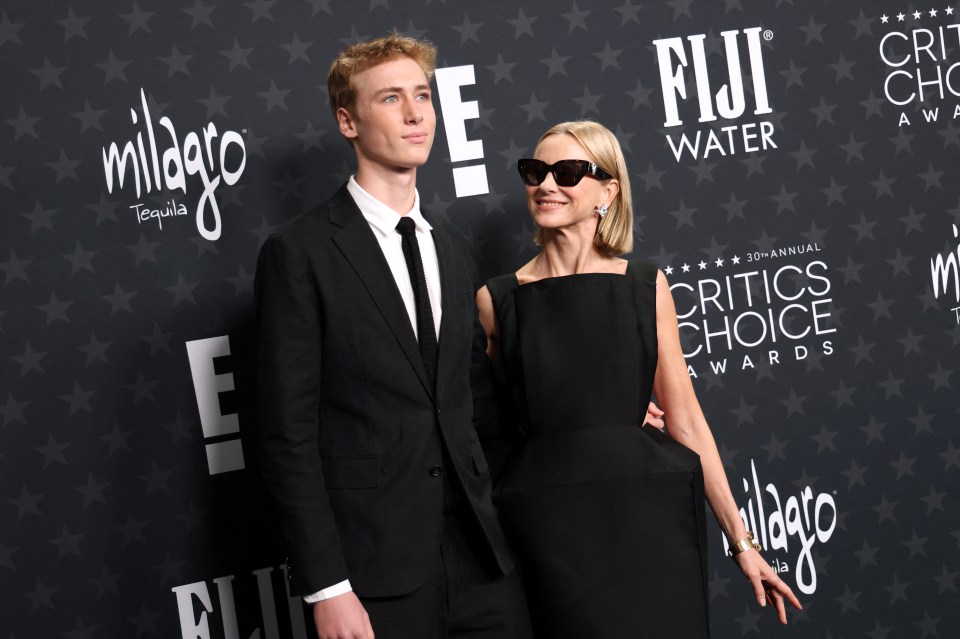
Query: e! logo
column 468, row 180
column 225, row 455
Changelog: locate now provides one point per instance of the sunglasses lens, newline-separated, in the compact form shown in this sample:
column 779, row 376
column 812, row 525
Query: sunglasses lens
column 569, row 172
column 532, row 172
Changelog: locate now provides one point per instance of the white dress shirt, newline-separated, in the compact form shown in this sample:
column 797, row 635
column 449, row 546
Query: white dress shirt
column 383, row 222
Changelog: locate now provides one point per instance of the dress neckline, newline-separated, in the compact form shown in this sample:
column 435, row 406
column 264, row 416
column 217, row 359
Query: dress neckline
column 569, row 276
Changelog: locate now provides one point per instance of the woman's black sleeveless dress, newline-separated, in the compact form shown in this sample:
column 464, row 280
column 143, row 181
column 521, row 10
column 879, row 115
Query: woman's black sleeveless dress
column 605, row 516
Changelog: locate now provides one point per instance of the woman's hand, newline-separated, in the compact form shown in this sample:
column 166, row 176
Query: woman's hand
column 654, row 416
column 767, row 586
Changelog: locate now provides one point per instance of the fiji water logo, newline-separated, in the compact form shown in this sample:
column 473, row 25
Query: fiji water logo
column 945, row 273
column 166, row 161
column 679, row 56
column 794, row 525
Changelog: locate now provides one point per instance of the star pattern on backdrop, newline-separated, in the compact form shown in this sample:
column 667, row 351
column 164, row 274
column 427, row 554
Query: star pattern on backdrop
column 107, row 451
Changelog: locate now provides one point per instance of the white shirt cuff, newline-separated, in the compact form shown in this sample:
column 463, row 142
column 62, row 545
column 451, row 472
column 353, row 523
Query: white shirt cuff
column 329, row 593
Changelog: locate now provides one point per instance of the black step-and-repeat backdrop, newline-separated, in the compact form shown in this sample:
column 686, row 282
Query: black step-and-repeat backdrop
column 795, row 171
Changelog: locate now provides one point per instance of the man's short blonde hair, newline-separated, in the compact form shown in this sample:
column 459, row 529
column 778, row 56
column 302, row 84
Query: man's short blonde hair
column 361, row 56
column 615, row 230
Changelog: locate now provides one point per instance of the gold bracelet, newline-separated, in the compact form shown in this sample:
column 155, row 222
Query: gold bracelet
column 744, row 545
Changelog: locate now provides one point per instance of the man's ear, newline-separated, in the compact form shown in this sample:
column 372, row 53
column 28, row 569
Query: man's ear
column 347, row 123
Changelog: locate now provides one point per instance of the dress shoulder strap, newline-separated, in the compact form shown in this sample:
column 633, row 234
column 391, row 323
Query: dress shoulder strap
column 501, row 290
column 643, row 270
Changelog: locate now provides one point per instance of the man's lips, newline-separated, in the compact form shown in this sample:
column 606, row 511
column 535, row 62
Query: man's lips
column 419, row 136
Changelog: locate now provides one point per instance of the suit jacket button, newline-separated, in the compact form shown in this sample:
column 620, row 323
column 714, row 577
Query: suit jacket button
column 435, row 471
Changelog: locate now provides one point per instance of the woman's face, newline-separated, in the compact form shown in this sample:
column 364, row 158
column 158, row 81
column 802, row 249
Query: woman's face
column 560, row 207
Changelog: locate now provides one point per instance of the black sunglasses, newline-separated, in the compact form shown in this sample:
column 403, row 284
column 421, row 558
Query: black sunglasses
column 565, row 172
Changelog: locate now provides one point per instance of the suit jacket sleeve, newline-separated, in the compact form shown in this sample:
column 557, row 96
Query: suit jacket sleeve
column 288, row 399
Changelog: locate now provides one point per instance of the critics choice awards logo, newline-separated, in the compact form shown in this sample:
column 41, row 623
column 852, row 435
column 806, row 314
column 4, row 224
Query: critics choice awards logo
column 721, row 94
column 158, row 160
column 916, row 49
column 756, row 308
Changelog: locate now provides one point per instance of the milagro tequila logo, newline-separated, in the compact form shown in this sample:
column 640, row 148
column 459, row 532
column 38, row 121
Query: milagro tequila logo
column 945, row 271
column 160, row 162
column 677, row 55
column 917, row 51
column 791, row 527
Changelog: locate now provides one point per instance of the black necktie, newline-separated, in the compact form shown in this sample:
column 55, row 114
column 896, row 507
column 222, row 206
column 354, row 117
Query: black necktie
column 426, row 333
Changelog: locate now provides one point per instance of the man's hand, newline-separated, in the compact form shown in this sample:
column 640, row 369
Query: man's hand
column 342, row 617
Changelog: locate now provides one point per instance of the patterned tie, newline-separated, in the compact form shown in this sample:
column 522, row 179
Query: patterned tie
column 426, row 333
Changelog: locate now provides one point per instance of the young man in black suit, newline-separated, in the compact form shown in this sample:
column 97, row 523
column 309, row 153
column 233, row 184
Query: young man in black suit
column 369, row 367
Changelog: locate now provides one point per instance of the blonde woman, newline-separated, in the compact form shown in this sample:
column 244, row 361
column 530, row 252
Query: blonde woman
column 605, row 514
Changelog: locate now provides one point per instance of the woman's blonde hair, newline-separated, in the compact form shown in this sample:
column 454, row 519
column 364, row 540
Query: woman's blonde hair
column 615, row 230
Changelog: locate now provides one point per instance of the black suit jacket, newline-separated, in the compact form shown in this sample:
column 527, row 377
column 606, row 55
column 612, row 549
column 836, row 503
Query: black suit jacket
column 349, row 429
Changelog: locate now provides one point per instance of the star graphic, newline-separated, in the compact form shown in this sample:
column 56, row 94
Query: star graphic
column 55, row 309
column 12, row 411
column 793, row 75
column 199, row 15
column 131, row 530
column 156, row 479
column 275, row 97
column 261, row 9
column 813, row 31
column 522, row 24
column 629, row 12
column 113, row 68
column 137, row 19
column 48, row 74
column 608, row 57
column 141, row 389
column 106, row 582
column 41, row 597
column 92, row 491
column 80, row 259
column 30, row 360
column 501, row 70
column 117, row 439
column 26, row 503
column 40, row 218
column 867, row 554
column 9, row 31
column 534, row 109
column 297, row 49
column 182, row 291
column 104, row 209
column 23, row 124
column 576, row 18
column 66, row 543
column 119, row 299
column 468, row 30
column 215, row 104
column 238, row 55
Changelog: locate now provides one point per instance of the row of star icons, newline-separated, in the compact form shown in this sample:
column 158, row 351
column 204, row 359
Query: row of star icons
column 702, row 265
column 916, row 15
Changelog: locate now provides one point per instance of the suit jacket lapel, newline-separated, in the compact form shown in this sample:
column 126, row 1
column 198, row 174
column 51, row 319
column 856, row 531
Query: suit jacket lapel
column 359, row 245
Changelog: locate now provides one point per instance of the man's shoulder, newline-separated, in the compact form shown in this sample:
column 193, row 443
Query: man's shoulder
column 315, row 222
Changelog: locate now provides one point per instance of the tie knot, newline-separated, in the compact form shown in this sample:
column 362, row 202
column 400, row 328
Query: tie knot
column 406, row 226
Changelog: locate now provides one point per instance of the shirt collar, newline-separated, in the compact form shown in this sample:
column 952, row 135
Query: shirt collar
column 381, row 217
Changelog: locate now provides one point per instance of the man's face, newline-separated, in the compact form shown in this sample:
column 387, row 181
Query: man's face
column 395, row 121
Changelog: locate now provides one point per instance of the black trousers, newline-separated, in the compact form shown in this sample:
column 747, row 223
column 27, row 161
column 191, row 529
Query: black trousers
column 462, row 598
